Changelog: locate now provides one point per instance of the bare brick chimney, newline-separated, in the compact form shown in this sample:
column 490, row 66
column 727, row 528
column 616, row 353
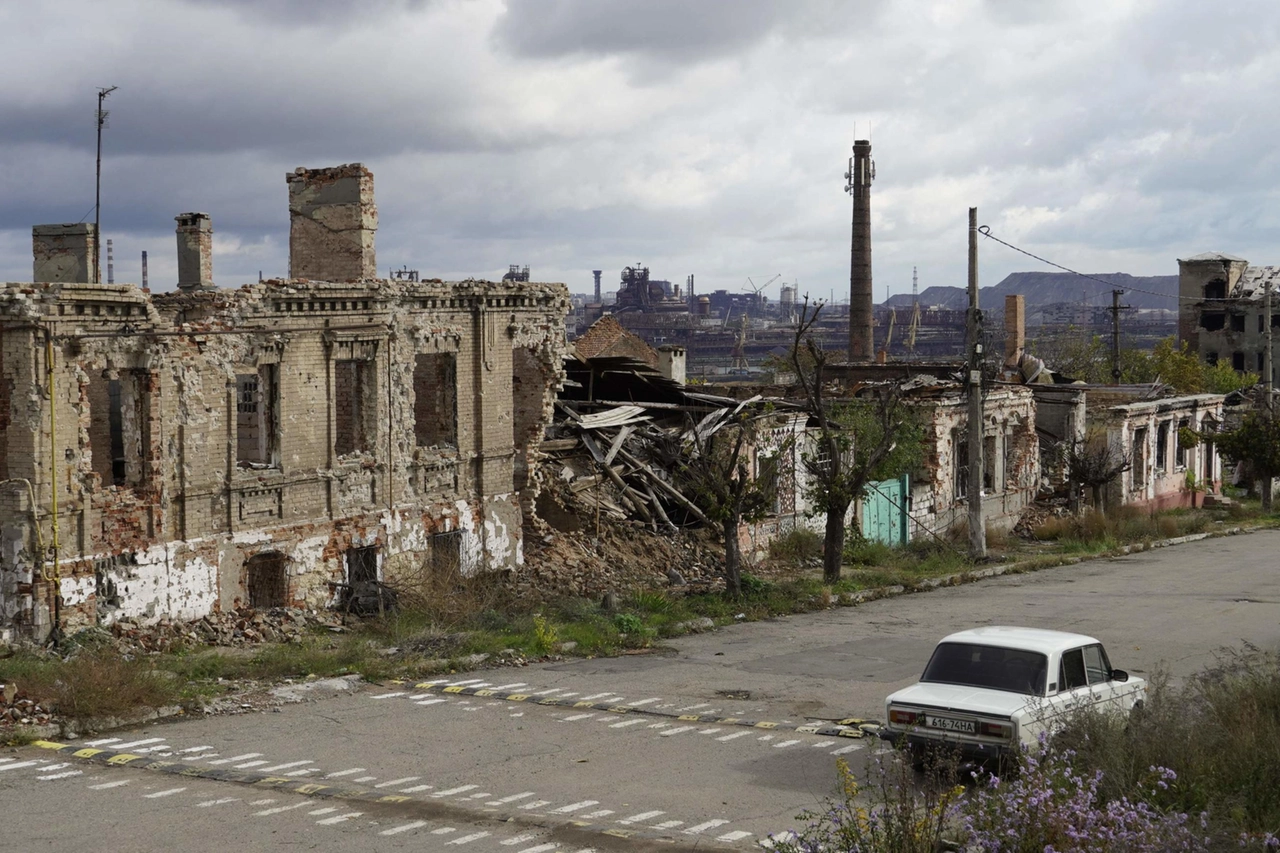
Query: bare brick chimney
column 861, row 317
column 332, row 223
column 195, row 251
column 63, row 252
column 1015, row 327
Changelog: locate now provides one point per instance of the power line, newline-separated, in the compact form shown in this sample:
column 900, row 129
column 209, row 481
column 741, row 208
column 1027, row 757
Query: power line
column 985, row 231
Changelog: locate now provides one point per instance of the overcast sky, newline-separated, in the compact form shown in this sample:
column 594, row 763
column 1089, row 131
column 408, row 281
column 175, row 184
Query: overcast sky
column 694, row 136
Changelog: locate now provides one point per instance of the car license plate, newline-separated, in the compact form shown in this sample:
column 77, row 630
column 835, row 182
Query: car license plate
column 947, row 724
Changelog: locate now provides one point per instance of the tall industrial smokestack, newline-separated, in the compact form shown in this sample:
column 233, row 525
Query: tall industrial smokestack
column 597, row 274
column 862, row 170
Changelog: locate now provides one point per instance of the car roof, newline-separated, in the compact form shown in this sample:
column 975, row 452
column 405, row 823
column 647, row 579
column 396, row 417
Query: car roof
column 1034, row 639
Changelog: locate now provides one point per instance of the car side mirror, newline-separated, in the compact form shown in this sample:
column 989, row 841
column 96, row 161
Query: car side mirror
column 1119, row 675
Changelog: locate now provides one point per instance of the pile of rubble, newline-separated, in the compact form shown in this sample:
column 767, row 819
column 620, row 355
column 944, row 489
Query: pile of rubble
column 233, row 628
column 18, row 709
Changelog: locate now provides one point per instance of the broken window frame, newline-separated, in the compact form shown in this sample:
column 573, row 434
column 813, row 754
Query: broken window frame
column 990, row 468
column 263, row 592
column 1237, row 362
column 265, row 406
column 126, row 386
column 1180, row 449
column 960, row 464
column 1140, row 457
column 1237, row 322
column 1162, row 447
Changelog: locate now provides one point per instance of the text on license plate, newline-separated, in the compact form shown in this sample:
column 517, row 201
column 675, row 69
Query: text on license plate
column 947, row 724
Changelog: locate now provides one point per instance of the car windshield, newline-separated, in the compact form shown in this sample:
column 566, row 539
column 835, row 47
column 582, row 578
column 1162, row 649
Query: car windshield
column 993, row 667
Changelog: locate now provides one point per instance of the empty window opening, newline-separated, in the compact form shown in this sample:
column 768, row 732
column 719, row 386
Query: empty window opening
column 767, row 471
column 1261, row 323
column 257, row 420
column 435, row 400
column 1262, row 358
column 990, row 464
column 1180, row 449
column 1211, row 358
column 1162, row 446
column 1216, row 289
column 1275, row 321
column 362, row 565
column 1237, row 322
column 1213, row 321
column 1237, row 361
column 266, row 581
column 1139, row 457
column 446, row 553
column 116, row 426
column 354, row 406
column 960, row 470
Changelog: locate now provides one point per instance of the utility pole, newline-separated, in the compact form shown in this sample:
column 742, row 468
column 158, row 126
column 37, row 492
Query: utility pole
column 97, row 186
column 973, row 345
column 1267, row 387
column 1116, row 308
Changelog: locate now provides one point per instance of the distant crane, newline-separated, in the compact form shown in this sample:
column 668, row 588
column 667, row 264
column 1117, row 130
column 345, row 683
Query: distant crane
column 756, row 288
column 888, row 337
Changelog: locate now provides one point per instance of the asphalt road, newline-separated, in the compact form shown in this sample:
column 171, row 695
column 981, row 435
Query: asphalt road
column 479, row 772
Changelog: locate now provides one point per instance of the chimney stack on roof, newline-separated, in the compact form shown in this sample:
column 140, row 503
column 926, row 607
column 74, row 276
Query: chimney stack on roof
column 332, row 223
column 63, row 252
column 195, row 251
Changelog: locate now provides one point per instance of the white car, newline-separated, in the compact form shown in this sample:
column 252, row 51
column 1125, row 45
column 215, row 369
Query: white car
column 986, row 691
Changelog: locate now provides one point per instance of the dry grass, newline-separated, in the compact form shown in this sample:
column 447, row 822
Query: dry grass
column 92, row 684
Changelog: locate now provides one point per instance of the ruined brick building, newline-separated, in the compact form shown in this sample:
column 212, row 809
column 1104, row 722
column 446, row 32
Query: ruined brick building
column 1221, row 310
column 175, row 454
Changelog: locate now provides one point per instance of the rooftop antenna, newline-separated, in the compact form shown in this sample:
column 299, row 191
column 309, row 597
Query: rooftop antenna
column 101, row 120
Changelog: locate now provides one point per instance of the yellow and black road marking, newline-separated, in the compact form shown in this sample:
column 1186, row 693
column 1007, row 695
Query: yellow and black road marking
column 851, row 727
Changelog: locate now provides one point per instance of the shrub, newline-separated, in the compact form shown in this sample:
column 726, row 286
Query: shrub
column 545, row 635
column 1048, row 806
column 94, row 684
column 797, row 546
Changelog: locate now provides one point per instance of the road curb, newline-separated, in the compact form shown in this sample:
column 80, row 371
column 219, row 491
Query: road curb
column 849, row 728
column 585, row 833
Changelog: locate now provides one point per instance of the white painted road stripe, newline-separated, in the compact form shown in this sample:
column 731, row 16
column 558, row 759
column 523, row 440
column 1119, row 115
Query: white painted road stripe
column 304, row 771
column 458, row 790
column 595, row 696
column 781, row 744
column 636, row 818
column 737, row 835
column 389, row 695
column 207, row 803
column 444, row 830
column 536, row 804
column 823, row 743
column 54, row 767
column 573, row 717
column 404, row 827
column 573, row 807
column 158, row 794
column 275, row 767
column 511, row 686
column 703, row 827
column 510, row 799
column 62, row 775
column 194, row 749
column 237, row 758
column 845, row 749
column 353, row 770
column 364, row 778
column 279, row 809
column 626, row 723
column 19, row 765
column 7, row 760
column 102, row 741
column 692, row 707
column 467, row 839
column 330, row 821
column 105, row 785
column 601, row 813
column 677, row 730
column 131, row 744
column 644, row 702
column 547, row 692
column 267, row 801
column 668, row 824
column 257, row 763
column 466, row 683
column 329, row 810
column 431, row 701
column 541, row 848
column 398, row 781
column 708, row 731
column 416, row 788
column 519, row 839
column 765, row 737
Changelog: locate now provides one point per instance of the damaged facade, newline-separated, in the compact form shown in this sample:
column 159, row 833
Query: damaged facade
column 1221, row 312
column 181, row 453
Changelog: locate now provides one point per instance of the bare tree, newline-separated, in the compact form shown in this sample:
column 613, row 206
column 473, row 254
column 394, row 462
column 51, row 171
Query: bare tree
column 715, row 471
column 859, row 440
column 1094, row 462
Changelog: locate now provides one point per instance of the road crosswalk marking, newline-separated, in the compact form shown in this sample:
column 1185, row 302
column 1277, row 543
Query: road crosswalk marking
column 519, row 839
column 737, row 835
column 541, row 848
column 220, row 802
column 170, row 792
column 404, row 827
column 351, row 772
column 573, row 807
column 330, row 821
column 636, row 818
column 467, row 839
column 703, row 827
column 63, row 775
column 279, row 809
column 400, row 781
column 458, row 790
column 237, row 758
column 511, row 799
column 733, row 736
column 781, row 744
column 105, row 785
column 135, row 743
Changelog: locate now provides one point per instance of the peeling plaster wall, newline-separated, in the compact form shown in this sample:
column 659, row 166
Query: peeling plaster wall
column 1134, row 430
column 173, row 538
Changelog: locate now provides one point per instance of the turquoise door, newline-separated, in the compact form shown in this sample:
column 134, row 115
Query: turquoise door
column 884, row 511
